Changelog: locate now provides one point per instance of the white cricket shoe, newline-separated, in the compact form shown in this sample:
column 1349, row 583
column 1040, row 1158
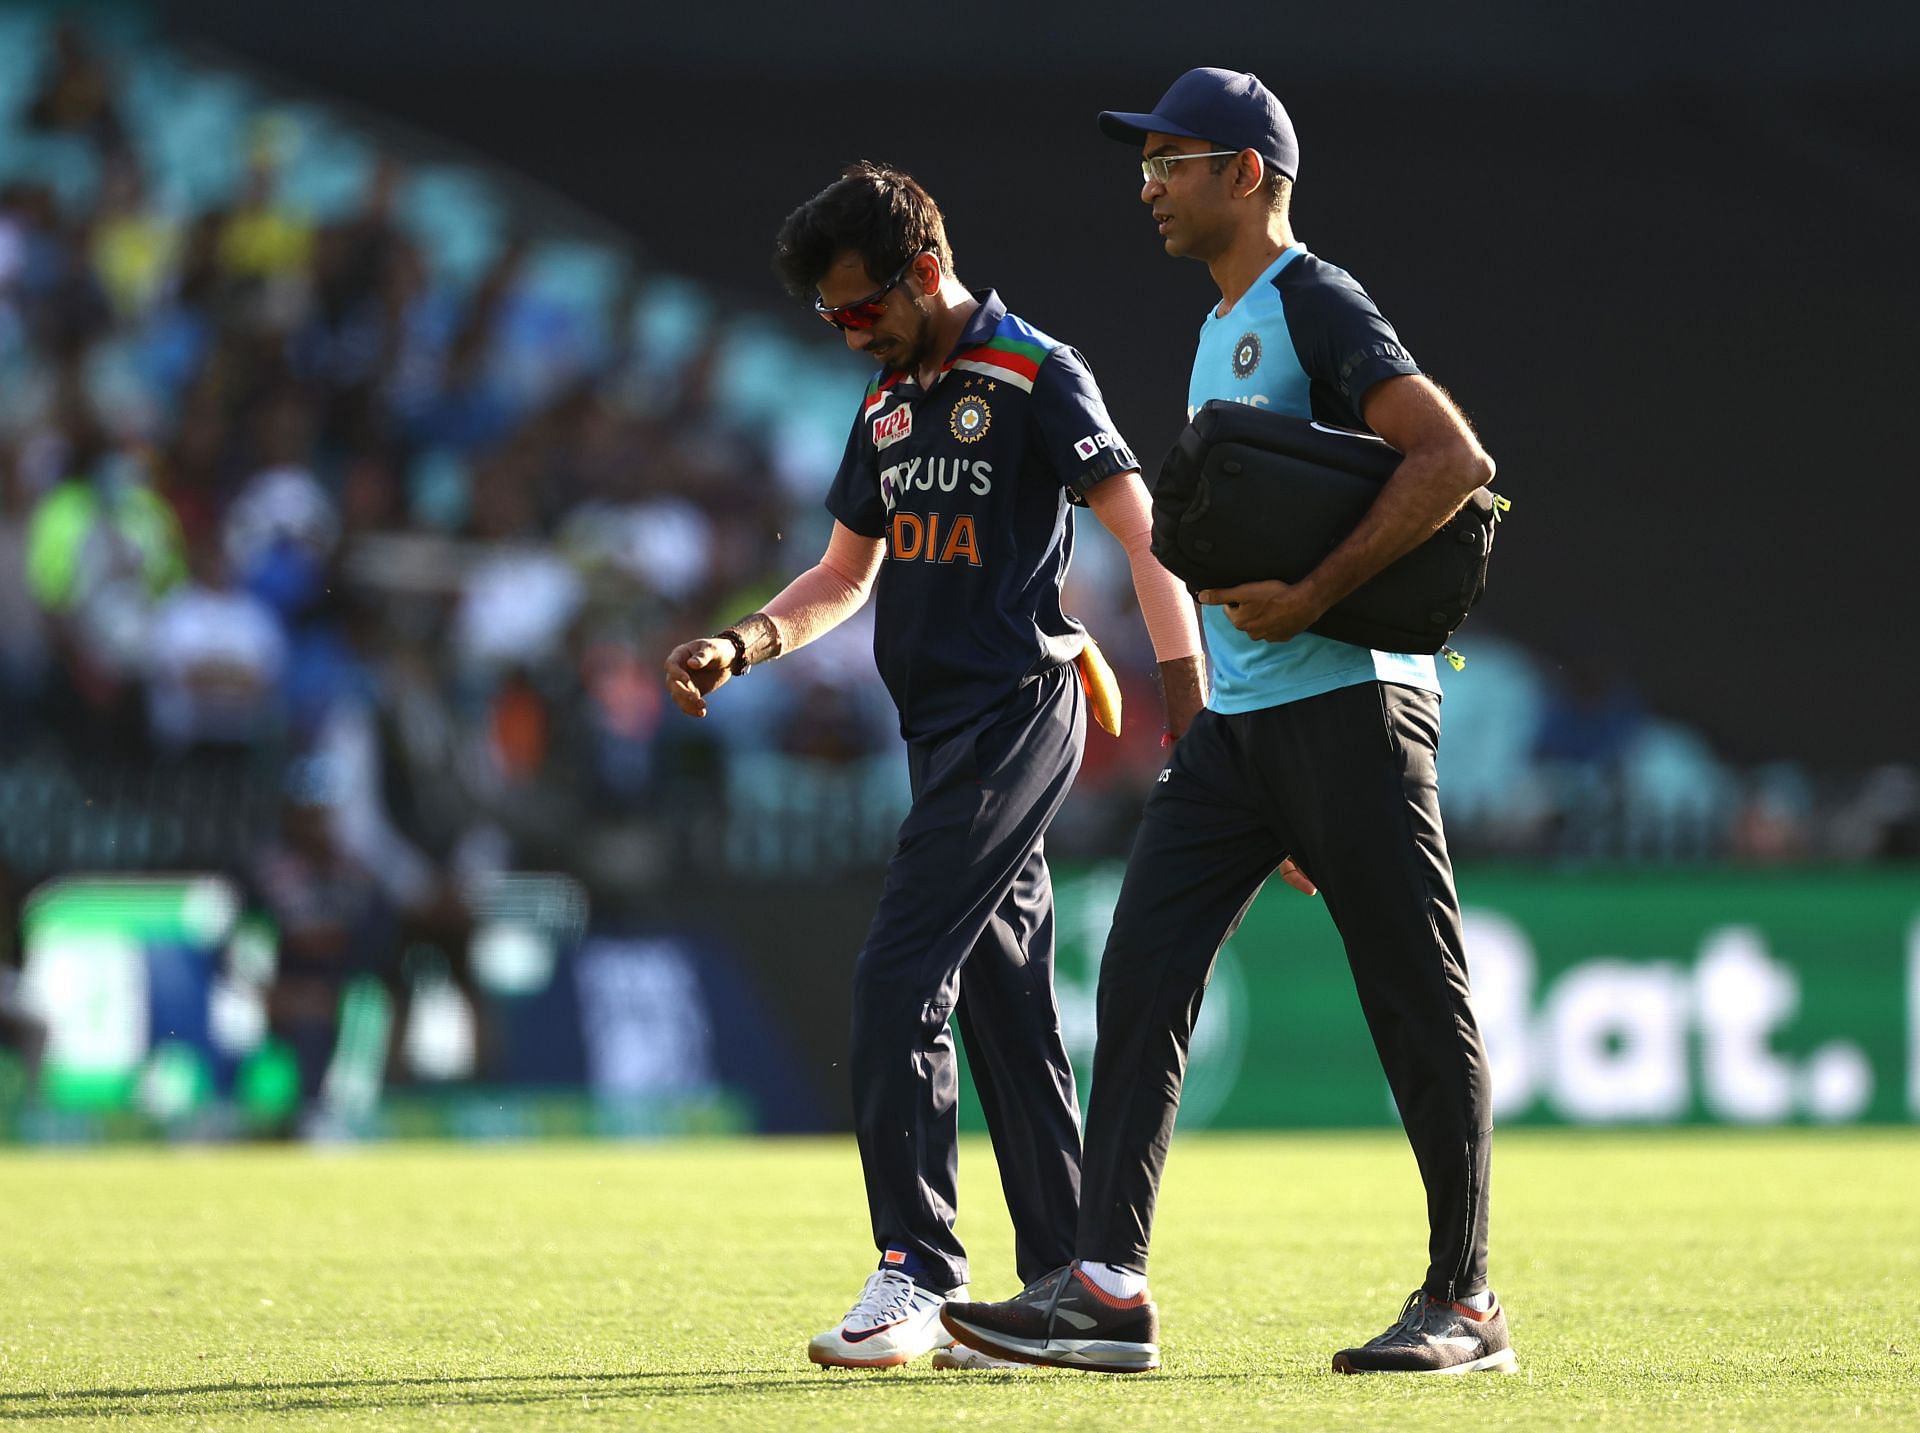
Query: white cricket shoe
column 892, row 1322
column 958, row 1355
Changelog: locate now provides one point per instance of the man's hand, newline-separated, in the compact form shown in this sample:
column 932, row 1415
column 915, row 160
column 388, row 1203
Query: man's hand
column 695, row 670
column 1297, row 878
column 1272, row 611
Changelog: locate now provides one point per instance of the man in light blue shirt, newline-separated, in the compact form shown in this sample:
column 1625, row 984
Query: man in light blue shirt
column 1298, row 312
column 1314, row 759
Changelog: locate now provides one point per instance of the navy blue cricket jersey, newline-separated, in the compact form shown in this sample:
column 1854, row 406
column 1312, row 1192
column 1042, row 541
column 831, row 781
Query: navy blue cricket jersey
column 971, row 483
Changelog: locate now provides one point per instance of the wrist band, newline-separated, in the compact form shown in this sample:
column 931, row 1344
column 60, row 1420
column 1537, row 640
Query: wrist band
column 755, row 638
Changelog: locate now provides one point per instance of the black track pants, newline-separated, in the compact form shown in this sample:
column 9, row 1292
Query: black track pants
column 1344, row 784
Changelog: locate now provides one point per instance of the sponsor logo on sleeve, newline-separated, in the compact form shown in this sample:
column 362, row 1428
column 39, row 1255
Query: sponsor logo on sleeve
column 1093, row 443
column 890, row 428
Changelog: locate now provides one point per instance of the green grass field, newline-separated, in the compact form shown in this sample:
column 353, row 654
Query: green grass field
column 1704, row 1280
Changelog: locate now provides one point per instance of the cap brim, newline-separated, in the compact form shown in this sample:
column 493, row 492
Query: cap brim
column 1133, row 128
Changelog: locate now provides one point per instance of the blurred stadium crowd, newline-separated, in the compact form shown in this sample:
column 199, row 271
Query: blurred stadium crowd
column 350, row 494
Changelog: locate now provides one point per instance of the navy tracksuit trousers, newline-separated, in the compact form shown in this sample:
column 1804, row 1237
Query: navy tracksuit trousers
column 965, row 923
column 1344, row 783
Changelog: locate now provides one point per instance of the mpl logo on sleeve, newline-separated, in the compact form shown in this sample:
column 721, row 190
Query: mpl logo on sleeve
column 1092, row 444
column 892, row 427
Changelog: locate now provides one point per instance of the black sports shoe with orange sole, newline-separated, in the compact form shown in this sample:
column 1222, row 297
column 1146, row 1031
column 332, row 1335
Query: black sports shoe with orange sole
column 1436, row 1336
column 1063, row 1320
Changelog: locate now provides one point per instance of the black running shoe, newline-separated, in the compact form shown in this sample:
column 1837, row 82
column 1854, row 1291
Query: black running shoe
column 1064, row 1320
column 1435, row 1336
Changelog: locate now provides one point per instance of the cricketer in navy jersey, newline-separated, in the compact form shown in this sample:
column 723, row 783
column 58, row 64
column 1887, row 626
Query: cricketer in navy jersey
column 953, row 502
column 971, row 486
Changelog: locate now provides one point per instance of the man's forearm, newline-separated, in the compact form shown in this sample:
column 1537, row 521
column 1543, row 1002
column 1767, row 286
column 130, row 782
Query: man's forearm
column 1124, row 509
column 1183, row 687
column 1424, row 491
column 828, row 593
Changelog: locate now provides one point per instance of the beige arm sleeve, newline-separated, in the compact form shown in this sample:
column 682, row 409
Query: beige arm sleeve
column 1123, row 508
column 830, row 591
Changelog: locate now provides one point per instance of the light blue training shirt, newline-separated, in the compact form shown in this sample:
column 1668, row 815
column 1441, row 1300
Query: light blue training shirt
column 1305, row 340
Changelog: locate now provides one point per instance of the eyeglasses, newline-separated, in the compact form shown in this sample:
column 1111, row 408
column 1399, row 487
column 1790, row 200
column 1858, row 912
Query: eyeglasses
column 1159, row 164
column 863, row 313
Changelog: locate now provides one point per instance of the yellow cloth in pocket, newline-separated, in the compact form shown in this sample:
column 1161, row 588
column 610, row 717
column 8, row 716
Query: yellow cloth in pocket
column 1101, row 686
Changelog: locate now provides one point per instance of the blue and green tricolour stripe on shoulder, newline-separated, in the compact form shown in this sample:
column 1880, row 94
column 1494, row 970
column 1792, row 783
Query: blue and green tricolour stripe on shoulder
column 1011, row 355
column 877, row 392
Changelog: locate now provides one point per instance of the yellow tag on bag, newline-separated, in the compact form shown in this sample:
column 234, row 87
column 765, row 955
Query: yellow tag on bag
column 1101, row 686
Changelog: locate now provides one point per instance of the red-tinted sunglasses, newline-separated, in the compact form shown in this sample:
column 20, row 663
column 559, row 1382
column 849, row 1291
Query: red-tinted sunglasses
column 862, row 313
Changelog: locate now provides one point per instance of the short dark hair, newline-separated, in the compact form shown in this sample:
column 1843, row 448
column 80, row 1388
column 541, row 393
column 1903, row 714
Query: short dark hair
column 874, row 210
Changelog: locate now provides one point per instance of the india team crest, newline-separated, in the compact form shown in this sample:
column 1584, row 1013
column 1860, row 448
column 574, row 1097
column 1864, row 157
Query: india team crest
column 1246, row 355
column 971, row 418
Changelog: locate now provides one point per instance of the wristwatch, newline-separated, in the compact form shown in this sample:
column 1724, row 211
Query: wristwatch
column 739, row 666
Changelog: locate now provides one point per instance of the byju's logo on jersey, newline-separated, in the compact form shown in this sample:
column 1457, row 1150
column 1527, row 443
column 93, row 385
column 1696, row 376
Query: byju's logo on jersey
column 1091, row 444
column 892, row 427
column 970, row 419
column 1246, row 355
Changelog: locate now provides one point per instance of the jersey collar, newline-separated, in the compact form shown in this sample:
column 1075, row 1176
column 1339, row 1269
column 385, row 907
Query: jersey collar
column 981, row 327
column 1281, row 260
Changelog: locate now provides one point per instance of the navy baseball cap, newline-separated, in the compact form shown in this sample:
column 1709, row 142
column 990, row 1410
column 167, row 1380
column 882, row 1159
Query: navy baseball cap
column 1229, row 108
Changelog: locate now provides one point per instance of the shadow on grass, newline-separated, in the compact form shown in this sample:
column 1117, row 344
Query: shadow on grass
column 502, row 1390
